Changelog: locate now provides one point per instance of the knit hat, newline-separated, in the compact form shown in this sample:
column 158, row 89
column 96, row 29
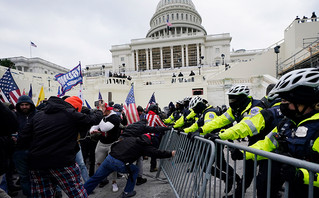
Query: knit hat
column 76, row 102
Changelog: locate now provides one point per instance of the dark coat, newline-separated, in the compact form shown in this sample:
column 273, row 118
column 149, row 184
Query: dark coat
column 9, row 125
column 130, row 149
column 139, row 128
column 51, row 136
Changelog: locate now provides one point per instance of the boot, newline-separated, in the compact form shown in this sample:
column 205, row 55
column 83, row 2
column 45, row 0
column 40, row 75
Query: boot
column 140, row 181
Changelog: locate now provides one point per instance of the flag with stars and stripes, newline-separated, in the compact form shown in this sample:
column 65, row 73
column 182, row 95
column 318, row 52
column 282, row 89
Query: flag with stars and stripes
column 9, row 89
column 152, row 101
column 130, row 107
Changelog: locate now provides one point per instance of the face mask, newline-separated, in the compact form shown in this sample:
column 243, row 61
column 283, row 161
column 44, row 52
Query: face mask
column 291, row 114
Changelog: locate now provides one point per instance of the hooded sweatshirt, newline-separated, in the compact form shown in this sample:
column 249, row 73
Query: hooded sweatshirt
column 51, row 136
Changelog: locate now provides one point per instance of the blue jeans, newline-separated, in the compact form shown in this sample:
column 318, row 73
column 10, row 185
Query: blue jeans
column 20, row 159
column 108, row 166
column 79, row 160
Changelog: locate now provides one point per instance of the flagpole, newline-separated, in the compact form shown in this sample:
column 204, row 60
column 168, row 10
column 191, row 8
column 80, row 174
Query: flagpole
column 30, row 50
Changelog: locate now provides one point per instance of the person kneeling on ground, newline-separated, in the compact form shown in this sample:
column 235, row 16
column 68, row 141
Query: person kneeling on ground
column 123, row 154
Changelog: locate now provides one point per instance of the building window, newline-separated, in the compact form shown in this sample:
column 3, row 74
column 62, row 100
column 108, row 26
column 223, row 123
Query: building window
column 172, row 16
column 122, row 59
column 159, row 20
column 217, row 50
column 198, row 91
column 186, row 17
column 182, row 16
column 177, row 16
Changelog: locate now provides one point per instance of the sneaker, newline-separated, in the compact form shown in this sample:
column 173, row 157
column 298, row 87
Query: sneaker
column 140, row 181
column 115, row 188
column 154, row 169
column 130, row 194
column 103, row 183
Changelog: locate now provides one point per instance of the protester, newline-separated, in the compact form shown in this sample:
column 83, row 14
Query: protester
column 109, row 131
column 25, row 112
column 9, row 126
column 123, row 154
column 51, row 139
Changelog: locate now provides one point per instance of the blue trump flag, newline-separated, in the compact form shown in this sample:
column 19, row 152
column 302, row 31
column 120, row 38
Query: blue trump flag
column 70, row 79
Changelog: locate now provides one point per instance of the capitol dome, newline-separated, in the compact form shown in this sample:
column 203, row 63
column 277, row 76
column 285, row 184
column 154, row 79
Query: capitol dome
column 180, row 14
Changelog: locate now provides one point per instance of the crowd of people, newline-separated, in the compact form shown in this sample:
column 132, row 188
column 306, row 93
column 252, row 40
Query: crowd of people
column 64, row 146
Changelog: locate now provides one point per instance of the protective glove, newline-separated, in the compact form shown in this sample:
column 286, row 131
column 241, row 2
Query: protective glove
column 236, row 154
column 179, row 130
column 192, row 135
column 212, row 136
column 291, row 174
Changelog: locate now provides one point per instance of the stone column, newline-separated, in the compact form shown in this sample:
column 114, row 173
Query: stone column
column 187, row 63
column 161, row 52
column 132, row 63
column 137, row 66
column 183, row 61
column 172, row 57
column 197, row 51
column 147, row 62
column 151, row 59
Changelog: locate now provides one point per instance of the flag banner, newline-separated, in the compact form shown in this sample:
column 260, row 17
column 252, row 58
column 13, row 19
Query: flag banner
column 130, row 107
column 87, row 104
column 33, row 45
column 41, row 96
column 152, row 101
column 168, row 23
column 30, row 91
column 23, row 93
column 70, row 79
column 9, row 90
column 59, row 92
column 100, row 96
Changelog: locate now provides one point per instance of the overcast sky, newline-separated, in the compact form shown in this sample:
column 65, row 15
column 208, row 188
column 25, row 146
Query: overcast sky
column 69, row 31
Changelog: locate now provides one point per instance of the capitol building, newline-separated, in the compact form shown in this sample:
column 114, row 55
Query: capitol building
column 175, row 46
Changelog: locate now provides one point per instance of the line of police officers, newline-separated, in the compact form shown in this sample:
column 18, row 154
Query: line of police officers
column 285, row 121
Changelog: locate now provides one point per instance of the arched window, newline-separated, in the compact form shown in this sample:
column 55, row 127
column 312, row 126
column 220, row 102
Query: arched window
column 186, row 16
column 182, row 16
column 172, row 16
column 176, row 16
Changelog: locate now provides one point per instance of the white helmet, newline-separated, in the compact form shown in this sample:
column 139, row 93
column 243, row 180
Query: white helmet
column 238, row 90
column 194, row 101
column 308, row 77
column 187, row 99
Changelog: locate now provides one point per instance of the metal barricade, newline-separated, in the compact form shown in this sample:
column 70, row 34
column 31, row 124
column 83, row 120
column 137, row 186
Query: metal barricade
column 190, row 170
column 193, row 173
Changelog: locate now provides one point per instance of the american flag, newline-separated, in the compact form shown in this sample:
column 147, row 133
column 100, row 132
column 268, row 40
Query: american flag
column 168, row 23
column 130, row 107
column 9, row 89
column 152, row 101
column 33, row 45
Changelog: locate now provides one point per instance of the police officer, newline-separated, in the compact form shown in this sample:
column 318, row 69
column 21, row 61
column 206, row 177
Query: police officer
column 255, row 128
column 176, row 114
column 188, row 118
column 296, row 136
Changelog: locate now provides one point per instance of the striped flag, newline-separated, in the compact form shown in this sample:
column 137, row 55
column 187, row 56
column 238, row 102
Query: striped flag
column 87, row 104
column 9, row 90
column 130, row 107
column 152, row 101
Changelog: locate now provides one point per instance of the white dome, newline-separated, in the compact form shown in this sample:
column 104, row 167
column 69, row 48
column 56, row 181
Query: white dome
column 181, row 14
column 164, row 3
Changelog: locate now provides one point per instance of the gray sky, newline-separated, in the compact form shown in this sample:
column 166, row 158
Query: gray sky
column 69, row 31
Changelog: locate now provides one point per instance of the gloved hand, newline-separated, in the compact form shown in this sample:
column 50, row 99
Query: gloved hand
column 179, row 130
column 291, row 174
column 212, row 136
column 192, row 135
column 236, row 154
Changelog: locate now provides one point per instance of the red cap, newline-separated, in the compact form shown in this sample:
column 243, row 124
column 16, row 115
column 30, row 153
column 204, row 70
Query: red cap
column 148, row 135
column 107, row 107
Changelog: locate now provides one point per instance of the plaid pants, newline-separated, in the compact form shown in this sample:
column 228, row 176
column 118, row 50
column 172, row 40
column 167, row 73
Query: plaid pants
column 44, row 182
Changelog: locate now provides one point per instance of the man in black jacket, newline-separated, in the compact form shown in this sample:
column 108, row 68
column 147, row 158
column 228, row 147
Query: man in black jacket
column 25, row 112
column 51, row 138
column 123, row 153
column 135, row 130
column 8, row 123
